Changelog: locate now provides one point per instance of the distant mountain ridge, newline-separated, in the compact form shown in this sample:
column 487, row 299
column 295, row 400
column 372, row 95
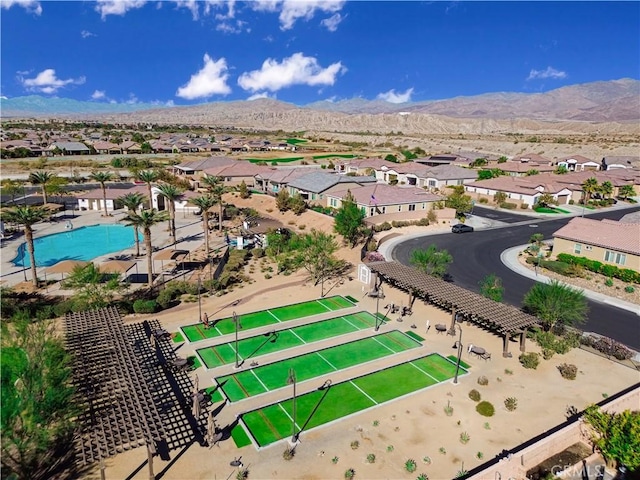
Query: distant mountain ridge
column 604, row 101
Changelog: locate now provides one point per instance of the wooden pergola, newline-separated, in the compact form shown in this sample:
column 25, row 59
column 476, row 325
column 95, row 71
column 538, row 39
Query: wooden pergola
column 118, row 410
column 503, row 319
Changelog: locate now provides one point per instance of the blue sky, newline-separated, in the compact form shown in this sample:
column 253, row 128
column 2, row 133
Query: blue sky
column 301, row 51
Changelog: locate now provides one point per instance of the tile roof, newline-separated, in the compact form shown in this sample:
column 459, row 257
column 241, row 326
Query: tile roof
column 236, row 169
column 450, row 172
column 387, row 195
column 210, row 162
column 622, row 237
column 318, row 182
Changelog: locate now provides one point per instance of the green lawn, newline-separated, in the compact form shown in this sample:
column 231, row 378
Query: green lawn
column 251, row 347
column 261, row 318
column 335, row 155
column 273, row 376
column 279, row 160
column 274, row 422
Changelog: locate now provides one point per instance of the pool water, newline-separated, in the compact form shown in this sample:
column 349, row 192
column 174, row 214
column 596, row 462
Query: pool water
column 83, row 243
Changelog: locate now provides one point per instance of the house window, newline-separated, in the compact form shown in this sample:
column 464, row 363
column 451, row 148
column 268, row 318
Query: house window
column 333, row 202
column 399, row 208
column 412, row 207
column 432, row 183
column 384, row 210
column 615, row 257
column 577, row 248
column 371, row 211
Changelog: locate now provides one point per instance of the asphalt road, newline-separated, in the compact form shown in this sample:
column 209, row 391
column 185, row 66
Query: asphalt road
column 477, row 254
column 500, row 215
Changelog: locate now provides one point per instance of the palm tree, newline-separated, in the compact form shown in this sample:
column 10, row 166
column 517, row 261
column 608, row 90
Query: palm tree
column 216, row 189
column 556, row 302
column 205, row 202
column 102, row 178
column 171, row 193
column 133, row 201
column 27, row 216
column 148, row 177
column 42, row 177
column 589, row 186
column 606, row 189
column 145, row 220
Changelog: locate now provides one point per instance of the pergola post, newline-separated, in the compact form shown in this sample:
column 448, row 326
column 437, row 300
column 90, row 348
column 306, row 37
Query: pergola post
column 152, row 476
column 452, row 328
column 505, row 345
column 523, row 337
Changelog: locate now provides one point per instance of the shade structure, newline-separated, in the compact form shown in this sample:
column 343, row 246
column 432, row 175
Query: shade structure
column 66, row 266
column 168, row 254
column 116, row 266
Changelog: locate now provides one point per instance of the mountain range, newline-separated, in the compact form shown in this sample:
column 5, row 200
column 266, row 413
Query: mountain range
column 604, row 101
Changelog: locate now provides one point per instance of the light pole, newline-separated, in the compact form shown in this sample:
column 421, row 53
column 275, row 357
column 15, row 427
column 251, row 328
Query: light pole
column 199, row 300
column 378, row 322
column 236, row 322
column 291, row 380
column 455, row 379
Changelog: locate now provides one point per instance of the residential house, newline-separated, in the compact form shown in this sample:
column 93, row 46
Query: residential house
column 193, row 169
column 129, row 147
column 443, row 159
column 442, row 176
column 362, row 166
column 578, row 163
column 69, row 148
column 93, row 199
column 517, row 169
column 531, row 158
column 235, row 173
column 314, row 186
column 381, row 199
column 617, row 161
column 520, row 190
column 275, row 179
column 107, row 148
column 606, row 241
column 574, row 180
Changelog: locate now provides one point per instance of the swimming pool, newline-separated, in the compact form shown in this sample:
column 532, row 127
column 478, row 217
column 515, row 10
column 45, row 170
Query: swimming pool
column 84, row 243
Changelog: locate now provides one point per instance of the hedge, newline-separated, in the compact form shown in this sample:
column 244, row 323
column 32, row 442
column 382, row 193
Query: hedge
column 624, row 274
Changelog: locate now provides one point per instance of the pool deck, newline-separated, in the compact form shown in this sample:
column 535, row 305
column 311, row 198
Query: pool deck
column 188, row 231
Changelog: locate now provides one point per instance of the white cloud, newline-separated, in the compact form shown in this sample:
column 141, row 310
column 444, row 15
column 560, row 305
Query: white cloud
column 396, row 97
column 117, row 7
column 3, row 97
column 231, row 9
column 210, row 80
column 132, row 99
column 549, row 72
column 230, row 27
column 32, row 6
column 258, row 95
column 332, row 22
column 191, row 5
column 98, row 95
column 87, row 33
column 47, row 82
column 294, row 70
column 294, row 10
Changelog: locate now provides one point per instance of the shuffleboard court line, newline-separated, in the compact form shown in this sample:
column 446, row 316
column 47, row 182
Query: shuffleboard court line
column 215, row 350
column 258, row 378
column 328, row 362
column 200, row 332
column 318, row 301
column 385, row 346
column 363, row 392
column 246, row 394
column 287, row 413
column 218, row 330
column 426, row 373
column 296, row 335
column 273, row 429
column 274, row 316
column 347, row 320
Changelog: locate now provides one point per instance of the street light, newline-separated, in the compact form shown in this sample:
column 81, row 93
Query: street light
column 459, row 342
column 236, row 322
column 291, row 380
column 199, row 300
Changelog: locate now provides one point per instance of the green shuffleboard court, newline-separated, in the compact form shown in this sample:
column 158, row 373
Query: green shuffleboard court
column 261, row 318
column 274, row 422
column 270, row 377
column 251, row 347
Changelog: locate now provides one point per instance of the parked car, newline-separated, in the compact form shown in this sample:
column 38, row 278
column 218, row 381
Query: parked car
column 461, row 228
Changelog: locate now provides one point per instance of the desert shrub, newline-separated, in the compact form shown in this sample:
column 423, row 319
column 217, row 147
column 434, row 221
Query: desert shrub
column 486, row 409
column 145, row 306
column 355, row 445
column 524, row 206
column 464, row 438
column 375, row 257
column 547, row 353
column 483, row 200
column 629, row 289
column 561, row 268
column 475, row 395
column 288, row 453
column 382, row 227
column 529, row 360
column 410, row 465
column 608, row 282
column 422, row 476
column 371, row 458
column 448, row 410
column 508, row 205
column 257, row 252
column 482, row 380
column 350, row 473
column 511, row 403
column 608, row 346
column 568, row 371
